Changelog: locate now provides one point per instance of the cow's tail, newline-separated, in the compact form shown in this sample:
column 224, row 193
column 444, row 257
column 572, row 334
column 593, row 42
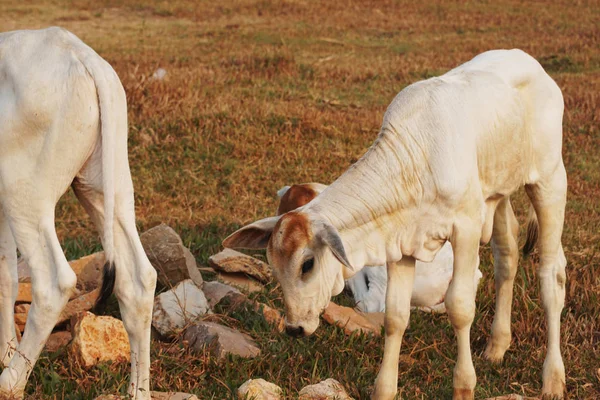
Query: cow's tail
column 532, row 232
column 113, row 118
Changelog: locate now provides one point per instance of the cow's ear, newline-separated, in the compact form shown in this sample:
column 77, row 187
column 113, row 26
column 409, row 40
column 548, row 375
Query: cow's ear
column 282, row 191
column 253, row 236
column 329, row 236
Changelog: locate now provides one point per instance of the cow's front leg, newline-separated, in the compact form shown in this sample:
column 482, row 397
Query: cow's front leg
column 401, row 276
column 460, row 303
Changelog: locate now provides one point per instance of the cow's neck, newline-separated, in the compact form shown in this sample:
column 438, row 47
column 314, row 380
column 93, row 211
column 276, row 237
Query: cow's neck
column 371, row 203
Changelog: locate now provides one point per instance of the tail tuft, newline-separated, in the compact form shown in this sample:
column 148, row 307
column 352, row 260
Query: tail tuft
column 108, row 284
column 532, row 233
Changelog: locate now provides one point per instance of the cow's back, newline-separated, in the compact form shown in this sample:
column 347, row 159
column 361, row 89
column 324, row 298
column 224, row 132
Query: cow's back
column 480, row 124
column 47, row 99
column 39, row 68
column 517, row 109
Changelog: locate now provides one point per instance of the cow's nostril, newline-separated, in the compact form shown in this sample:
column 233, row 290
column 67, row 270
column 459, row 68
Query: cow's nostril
column 294, row 331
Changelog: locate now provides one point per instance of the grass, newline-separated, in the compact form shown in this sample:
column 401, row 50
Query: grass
column 261, row 94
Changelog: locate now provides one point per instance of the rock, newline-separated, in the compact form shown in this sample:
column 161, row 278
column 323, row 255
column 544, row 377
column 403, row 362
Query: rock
column 24, row 293
column 172, row 396
column 328, row 389
column 349, row 319
column 215, row 291
column 376, row 318
column 79, row 305
column 219, row 340
column 235, row 262
column 259, row 389
column 159, row 74
column 171, row 259
column 58, row 340
column 89, row 271
column 22, row 308
column 241, row 281
column 98, row 339
column 178, row 307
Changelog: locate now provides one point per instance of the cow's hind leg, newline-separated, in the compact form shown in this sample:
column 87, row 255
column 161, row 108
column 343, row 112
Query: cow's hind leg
column 135, row 278
column 52, row 280
column 8, row 291
column 549, row 198
column 506, row 257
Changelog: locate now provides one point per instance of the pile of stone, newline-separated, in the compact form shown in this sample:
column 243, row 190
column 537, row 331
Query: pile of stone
column 182, row 309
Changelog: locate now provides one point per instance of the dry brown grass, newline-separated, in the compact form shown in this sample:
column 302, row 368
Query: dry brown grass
column 260, row 94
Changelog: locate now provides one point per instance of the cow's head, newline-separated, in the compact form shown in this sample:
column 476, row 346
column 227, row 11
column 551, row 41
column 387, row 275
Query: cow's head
column 307, row 257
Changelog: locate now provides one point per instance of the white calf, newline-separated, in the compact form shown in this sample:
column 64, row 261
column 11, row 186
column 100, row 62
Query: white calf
column 63, row 122
column 369, row 284
column 451, row 151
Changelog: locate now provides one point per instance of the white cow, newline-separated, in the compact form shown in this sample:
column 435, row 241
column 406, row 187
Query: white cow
column 369, row 284
column 450, row 151
column 63, row 122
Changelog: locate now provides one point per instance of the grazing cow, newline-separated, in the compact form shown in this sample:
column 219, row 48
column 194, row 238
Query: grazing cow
column 450, row 152
column 63, row 122
column 368, row 285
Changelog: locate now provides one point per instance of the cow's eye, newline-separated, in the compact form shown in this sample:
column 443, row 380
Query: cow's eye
column 308, row 265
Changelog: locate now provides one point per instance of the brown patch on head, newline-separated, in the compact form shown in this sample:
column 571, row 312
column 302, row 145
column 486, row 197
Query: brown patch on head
column 296, row 196
column 290, row 233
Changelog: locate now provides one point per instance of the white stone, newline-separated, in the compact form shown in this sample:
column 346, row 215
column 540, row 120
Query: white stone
column 178, row 307
column 232, row 261
column 215, row 291
column 328, row 389
column 259, row 389
column 159, row 74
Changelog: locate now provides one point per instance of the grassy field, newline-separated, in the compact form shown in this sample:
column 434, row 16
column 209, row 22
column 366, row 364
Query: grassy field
column 260, row 94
